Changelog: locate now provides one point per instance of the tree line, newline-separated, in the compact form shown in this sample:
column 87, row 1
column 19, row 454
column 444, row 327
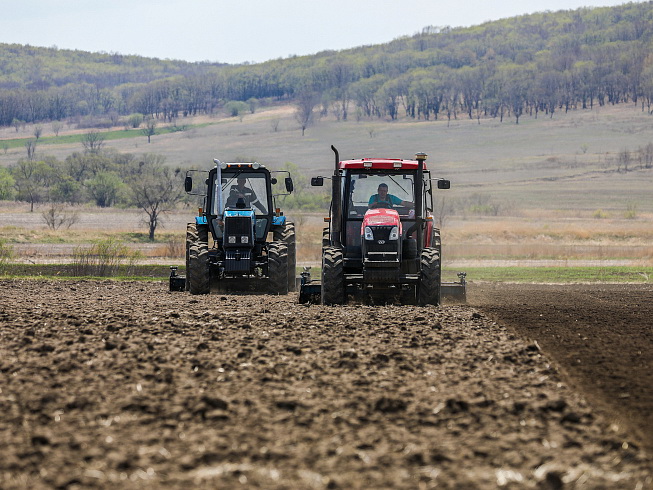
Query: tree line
column 527, row 65
column 105, row 178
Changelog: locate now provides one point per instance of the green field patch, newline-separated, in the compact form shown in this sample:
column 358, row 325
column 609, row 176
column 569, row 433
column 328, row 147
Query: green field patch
column 617, row 274
column 566, row 275
column 118, row 134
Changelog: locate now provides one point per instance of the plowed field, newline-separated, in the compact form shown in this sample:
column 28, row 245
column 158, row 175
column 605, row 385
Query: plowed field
column 125, row 385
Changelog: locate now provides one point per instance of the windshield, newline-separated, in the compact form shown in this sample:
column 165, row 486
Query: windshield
column 381, row 190
column 243, row 190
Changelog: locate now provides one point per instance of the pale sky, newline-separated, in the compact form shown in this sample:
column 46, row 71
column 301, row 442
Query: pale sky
column 237, row 31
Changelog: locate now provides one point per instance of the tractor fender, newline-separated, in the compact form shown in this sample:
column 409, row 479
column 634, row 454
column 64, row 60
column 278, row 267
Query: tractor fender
column 278, row 220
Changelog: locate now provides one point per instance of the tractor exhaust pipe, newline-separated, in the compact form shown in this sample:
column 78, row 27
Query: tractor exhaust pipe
column 337, row 155
column 218, row 187
column 419, row 201
column 336, row 207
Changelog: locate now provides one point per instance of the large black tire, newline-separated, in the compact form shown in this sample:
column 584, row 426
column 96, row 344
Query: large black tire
column 333, row 277
column 278, row 267
column 428, row 289
column 287, row 235
column 191, row 237
column 197, row 272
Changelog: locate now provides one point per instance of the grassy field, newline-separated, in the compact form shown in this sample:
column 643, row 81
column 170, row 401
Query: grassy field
column 568, row 162
column 548, row 189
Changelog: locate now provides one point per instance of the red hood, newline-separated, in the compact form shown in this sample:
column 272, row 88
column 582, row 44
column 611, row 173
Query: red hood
column 381, row 217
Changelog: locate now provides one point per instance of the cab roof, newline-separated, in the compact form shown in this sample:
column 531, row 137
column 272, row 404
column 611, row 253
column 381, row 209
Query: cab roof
column 380, row 163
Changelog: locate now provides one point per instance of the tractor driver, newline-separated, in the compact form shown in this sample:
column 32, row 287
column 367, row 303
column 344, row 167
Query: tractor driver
column 240, row 191
column 385, row 200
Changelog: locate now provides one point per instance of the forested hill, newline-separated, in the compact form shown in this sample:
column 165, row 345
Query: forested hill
column 523, row 65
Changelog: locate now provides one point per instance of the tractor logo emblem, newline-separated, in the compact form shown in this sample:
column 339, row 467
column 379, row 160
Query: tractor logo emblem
column 381, row 242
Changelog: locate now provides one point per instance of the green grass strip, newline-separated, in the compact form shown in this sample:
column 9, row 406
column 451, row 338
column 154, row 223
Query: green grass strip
column 567, row 275
column 556, row 274
column 118, row 134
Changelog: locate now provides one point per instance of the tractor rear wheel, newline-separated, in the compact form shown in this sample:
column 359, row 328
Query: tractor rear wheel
column 191, row 237
column 197, row 272
column 287, row 235
column 333, row 277
column 278, row 267
column 428, row 289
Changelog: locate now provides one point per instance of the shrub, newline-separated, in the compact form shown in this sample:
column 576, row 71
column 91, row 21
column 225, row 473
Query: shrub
column 135, row 120
column 631, row 211
column 236, row 108
column 6, row 253
column 57, row 215
column 104, row 258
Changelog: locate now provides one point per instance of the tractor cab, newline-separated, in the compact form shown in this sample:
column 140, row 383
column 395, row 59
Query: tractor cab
column 239, row 234
column 240, row 200
column 379, row 212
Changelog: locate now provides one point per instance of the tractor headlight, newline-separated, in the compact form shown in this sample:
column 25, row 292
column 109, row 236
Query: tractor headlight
column 368, row 233
column 394, row 233
column 244, row 239
column 232, row 239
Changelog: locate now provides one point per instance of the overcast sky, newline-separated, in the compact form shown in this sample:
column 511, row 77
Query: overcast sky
column 237, row 31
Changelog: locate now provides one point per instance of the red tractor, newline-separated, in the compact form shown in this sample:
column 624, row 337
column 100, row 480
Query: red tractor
column 381, row 243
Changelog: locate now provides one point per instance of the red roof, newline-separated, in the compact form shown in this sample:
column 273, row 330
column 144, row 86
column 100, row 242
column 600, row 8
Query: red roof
column 380, row 163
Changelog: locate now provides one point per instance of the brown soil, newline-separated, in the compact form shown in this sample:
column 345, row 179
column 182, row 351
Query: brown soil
column 126, row 385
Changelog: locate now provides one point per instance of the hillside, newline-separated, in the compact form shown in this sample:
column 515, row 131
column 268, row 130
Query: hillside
column 513, row 68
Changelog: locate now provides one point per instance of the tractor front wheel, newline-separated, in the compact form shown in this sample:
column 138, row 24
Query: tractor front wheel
column 333, row 277
column 278, row 267
column 197, row 273
column 428, row 289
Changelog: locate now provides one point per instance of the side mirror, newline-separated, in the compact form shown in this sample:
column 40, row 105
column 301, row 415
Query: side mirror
column 188, row 183
column 317, row 181
column 444, row 184
column 289, row 185
column 273, row 180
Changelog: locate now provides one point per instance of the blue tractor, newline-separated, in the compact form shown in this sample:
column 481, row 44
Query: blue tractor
column 239, row 237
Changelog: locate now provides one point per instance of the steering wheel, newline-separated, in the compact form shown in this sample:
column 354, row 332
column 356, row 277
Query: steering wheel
column 383, row 204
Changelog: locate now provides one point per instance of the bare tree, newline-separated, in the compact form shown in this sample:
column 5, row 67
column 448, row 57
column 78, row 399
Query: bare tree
column 29, row 178
column 38, row 131
column 56, row 127
column 304, row 115
column 93, row 141
column 442, row 211
column 57, row 215
column 30, row 146
column 150, row 128
column 623, row 160
column 114, row 117
column 155, row 189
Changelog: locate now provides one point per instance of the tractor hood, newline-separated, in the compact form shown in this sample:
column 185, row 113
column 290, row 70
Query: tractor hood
column 381, row 217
